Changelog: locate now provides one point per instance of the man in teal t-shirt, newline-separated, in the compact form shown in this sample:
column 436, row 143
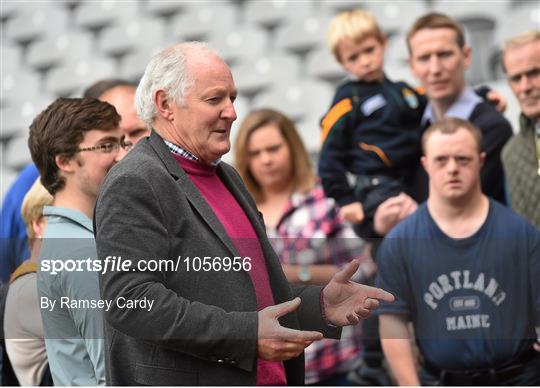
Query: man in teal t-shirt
column 73, row 142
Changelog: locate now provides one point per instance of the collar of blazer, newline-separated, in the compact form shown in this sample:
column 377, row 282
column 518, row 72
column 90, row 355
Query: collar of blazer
column 231, row 181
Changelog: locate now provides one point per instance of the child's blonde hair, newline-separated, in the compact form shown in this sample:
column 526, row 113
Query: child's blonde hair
column 32, row 206
column 356, row 24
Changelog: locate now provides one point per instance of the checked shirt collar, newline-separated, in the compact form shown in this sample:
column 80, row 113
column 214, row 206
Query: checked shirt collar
column 176, row 149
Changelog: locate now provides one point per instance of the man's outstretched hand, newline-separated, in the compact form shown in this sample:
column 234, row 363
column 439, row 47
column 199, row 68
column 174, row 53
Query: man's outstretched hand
column 347, row 302
column 278, row 343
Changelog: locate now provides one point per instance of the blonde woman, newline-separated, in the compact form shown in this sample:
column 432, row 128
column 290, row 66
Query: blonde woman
column 25, row 345
column 305, row 229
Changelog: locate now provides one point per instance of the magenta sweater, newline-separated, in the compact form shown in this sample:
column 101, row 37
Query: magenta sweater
column 243, row 235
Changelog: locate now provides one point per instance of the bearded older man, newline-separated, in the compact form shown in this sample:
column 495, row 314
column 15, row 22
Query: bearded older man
column 215, row 319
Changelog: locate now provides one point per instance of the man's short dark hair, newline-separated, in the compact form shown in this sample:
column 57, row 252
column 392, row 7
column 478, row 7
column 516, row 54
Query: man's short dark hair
column 449, row 125
column 435, row 20
column 59, row 130
column 97, row 89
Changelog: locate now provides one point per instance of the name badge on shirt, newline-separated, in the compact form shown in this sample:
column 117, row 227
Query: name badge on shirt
column 410, row 98
column 372, row 104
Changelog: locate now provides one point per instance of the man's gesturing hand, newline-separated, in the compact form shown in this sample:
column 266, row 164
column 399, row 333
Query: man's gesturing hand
column 278, row 343
column 346, row 302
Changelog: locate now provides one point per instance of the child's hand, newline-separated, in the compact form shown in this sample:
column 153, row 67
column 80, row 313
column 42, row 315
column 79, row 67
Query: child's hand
column 391, row 211
column 353, row 212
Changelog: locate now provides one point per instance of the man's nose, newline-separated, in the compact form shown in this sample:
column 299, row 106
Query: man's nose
column 451, row 165
column 434, row 64
column 229, row 112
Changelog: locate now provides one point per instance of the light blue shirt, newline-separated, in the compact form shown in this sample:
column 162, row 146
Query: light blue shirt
column 73, row 335
column 462, row 108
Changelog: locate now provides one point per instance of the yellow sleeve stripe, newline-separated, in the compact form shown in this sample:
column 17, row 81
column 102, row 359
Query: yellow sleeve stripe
column 338, row 111
column 380, row 153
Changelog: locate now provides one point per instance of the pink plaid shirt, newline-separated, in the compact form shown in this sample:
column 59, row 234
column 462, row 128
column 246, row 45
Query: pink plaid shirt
column 311, row 221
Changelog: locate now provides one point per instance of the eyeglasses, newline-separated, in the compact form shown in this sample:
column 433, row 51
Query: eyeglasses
column 109, row 147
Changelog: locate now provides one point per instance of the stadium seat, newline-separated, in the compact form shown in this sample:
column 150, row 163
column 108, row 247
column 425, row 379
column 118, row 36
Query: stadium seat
column 18, row 154
column 302, row 36
column 394, row 16
column 94, row 15
column 397, row 53
column 8, row 10
column 167, row 8
column 19, row 86
column 11, row 58
column 71, row 78
column 69, row 4
column 494, row 10
column 302, row 100
column 199, row 23
column 131, row 35
column 133, row 64
column 337, row 6
column 310, row 132
column 241, row 44
column 35, row 21
column 56, row 50
column 520, row 19
column 17, row 118
column 270, row 14
column 321, row 64
column 262, row 72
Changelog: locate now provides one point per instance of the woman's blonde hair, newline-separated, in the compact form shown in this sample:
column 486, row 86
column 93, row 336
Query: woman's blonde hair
column 303, row 177
column 356, row 25
column 32, row 206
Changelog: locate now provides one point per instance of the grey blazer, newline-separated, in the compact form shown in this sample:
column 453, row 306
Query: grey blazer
column 202, row 328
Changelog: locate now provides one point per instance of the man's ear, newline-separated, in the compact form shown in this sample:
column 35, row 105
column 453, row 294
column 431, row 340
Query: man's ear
column 424, row 162
column 467, row 55
column 482, row 159
column 64, row 163
column 163, row 105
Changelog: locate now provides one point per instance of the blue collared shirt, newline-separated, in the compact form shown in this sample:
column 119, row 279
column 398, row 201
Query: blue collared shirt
column 73, row 336
column 462, row 108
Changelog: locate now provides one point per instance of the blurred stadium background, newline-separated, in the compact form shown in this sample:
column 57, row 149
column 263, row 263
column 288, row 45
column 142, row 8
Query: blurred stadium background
column 276, row 50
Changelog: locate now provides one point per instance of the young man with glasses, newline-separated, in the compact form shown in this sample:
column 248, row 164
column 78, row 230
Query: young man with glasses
column 521, row 156
column 117, row 92
column 74, row 143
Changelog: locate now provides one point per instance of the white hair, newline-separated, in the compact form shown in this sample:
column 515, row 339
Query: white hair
column 167, row 70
